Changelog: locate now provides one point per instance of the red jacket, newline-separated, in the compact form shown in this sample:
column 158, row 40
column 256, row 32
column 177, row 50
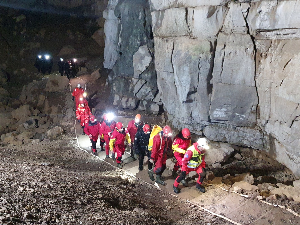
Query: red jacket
column 83, row 114
column 181, row 145
column 161, row 145
column 132, row 129
column 105, row 129
column 77, row 93
column 92, row 130
column 118, row 139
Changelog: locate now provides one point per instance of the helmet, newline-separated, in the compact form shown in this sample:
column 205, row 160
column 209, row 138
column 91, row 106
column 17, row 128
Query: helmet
column 119, row 125
column 92, row 118
column 137, row 118
column 167, row 130
column 78, row 85
column 186, row 133
column 146, row 128
column 202, row 143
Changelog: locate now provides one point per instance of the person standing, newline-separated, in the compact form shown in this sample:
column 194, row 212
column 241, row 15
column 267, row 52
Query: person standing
column 76, row 94
column 61, row 66
column 181, row 143
column 132, row 128
column 83, row 113
column 162, row 144
column 107, row 127
column 93, row 130
column 194, row 160
column 141, row 142
column 117, row 142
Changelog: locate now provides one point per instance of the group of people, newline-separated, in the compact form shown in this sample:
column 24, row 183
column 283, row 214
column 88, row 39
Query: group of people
column 155, row 143
column 44, row 63
column 67, row 67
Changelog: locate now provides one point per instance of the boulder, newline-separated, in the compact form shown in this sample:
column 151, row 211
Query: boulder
column 218, row 153
column 57, row 84
column 22, row 113
column 243, row 185
column 288, row 191
column 54, row 132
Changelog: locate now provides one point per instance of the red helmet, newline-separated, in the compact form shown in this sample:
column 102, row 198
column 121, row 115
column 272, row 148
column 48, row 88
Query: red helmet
column 167, row 130
column 186, row 133
column 119, row 125
column 92, row 118
column 146, row 128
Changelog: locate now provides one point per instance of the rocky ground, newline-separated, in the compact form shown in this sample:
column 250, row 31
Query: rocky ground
column 57, row 183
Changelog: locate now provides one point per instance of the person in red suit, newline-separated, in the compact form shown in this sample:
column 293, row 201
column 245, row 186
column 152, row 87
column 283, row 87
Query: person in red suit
column 77, row 94
column 93, row 131
column 107, row 127
column 83, row 113
column 132, row 128
column 117, row 142
column 180, row 144
column 162, row 144
column 194, row 160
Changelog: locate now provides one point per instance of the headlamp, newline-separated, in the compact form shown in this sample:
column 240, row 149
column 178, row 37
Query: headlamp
column 47, row 57
column 61, row 59
column 39, row 56
column 84, row 94
column 110, row 116
column 74, row 60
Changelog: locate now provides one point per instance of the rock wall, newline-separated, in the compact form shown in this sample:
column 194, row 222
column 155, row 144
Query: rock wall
column 129, row 53
column 225, row 69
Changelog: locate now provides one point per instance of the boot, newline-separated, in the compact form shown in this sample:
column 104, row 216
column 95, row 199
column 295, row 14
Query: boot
column 119, row 165
column 174, row 174
column 107, row 156
column 159, row 180
column 200, row 188
column 151, row 175
column 95, row 153
column 102, row 149
column 184, row 183
column 113, row 156
column 176, row 189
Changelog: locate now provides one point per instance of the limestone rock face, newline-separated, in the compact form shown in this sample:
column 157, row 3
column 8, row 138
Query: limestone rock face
column 129, row 53
column 225, row 69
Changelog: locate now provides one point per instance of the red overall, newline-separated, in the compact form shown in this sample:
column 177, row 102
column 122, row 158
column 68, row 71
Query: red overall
column 92, row 130
column 105, row 133
column 83, row 114
column 180, row 146
column 199, row 170
column 77, row 93
column 117, row 142
column 161, row 145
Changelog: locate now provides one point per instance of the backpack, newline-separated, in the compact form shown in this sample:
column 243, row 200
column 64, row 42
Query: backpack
column 156, row 129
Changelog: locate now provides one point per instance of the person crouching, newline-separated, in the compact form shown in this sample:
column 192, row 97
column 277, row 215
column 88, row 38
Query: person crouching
column 193, row 160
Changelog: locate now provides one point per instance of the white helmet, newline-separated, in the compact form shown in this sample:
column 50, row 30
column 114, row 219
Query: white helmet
column 202, row 143
column 78, row 85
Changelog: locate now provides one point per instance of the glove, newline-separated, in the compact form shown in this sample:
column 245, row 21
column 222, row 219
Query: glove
column 73, row 98
column 129, row 144
column 151, row 161
column 90, row 136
